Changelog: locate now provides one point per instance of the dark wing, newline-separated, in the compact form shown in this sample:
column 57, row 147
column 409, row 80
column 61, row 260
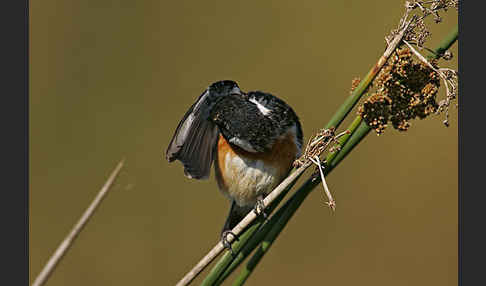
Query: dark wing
column 281, row 114
column 194, row 140
column 255, row 120
column 242, row 124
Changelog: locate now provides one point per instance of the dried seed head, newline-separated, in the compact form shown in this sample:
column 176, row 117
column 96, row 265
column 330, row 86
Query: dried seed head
column 405, row 89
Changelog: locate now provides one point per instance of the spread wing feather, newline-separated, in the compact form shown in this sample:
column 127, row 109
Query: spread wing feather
column 194, row 140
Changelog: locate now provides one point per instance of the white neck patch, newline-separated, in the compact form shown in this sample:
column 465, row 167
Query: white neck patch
column 263, row 109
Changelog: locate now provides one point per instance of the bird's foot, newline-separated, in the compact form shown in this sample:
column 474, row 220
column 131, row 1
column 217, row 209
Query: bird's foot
column 259, row 208
column 226, row 243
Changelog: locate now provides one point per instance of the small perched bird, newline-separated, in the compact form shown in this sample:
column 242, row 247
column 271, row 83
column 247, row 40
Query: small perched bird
column 252, row 138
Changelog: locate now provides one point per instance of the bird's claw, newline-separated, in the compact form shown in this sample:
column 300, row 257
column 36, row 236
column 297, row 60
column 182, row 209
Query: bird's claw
column 259, row 208
column 226, row 243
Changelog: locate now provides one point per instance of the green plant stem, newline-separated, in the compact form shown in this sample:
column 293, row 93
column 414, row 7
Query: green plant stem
column 362, row 130
column 344, row 138
column 351, row 101
column 227, row 257
column 334, row 159
column 446, row 43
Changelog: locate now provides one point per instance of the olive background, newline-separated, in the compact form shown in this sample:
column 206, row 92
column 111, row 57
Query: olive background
column 111, row 80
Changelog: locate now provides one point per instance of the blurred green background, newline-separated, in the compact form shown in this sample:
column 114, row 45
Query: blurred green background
column 111, row 80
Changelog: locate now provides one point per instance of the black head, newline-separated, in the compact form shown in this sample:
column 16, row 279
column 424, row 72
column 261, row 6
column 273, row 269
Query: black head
column 224, row 87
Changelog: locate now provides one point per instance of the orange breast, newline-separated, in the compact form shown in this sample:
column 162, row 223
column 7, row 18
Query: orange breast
column 243, row 175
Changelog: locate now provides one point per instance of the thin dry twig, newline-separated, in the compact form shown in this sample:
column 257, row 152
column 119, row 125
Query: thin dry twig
column 68, row 241
column 331, row 203
column 318, row 144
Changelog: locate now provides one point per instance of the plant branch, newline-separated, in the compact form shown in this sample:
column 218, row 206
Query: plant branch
column 78, row 227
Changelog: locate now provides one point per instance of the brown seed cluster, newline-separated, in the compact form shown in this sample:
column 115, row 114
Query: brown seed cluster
column 405, row 89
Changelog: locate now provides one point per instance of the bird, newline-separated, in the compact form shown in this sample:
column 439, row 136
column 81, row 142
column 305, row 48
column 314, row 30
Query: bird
column 252, row 138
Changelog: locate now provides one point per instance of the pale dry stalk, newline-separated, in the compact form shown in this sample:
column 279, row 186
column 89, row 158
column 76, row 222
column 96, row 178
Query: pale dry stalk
column 78, row 227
